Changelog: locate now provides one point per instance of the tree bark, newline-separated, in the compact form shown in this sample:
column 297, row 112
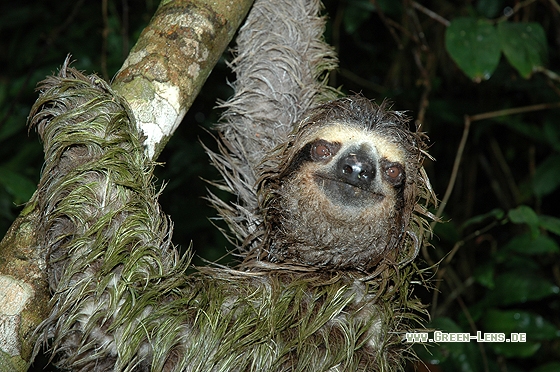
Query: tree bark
column 24, row 294
column 168, row 65
column 160, row 79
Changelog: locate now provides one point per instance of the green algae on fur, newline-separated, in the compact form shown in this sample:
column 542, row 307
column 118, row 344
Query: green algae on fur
column 122, row 300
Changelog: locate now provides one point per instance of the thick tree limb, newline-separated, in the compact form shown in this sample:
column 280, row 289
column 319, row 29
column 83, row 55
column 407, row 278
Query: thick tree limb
column 170, row 62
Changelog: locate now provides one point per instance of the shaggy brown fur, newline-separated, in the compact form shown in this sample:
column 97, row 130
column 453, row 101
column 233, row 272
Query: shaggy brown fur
column 340, row 193
column 326, row 217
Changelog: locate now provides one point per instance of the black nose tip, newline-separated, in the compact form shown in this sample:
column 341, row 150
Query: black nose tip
column 356, row 169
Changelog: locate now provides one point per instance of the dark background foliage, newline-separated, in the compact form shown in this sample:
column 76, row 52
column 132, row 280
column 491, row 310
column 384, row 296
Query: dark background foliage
column 498, row 247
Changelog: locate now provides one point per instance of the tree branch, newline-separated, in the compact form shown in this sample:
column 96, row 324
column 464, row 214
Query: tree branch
column 172, row 59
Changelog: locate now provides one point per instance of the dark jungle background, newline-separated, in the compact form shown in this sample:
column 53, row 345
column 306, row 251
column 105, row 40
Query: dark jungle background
column 481, row 77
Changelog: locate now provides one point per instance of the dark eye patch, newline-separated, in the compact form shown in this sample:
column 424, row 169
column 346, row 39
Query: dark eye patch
column 314, row 151
column 321, row 150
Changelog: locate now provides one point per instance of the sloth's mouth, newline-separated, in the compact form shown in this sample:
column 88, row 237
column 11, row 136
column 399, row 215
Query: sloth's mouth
column 345, row 192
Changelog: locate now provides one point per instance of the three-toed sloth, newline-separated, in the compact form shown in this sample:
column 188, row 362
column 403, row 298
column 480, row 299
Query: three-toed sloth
column 325, row 218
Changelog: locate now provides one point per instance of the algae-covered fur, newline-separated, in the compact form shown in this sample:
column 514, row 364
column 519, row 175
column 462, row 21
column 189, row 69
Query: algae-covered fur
column 122, row 300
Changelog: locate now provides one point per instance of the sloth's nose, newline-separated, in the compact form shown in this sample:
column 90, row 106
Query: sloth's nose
column 357, row 169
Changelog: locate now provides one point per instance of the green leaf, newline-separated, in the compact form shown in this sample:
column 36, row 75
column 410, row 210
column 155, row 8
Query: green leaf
column 524, row 45
column 547, row 176
column 513, row 288
column 475, row 46
column 526, row 244
column 550, row 223
column 514, row 321
column 525, row 215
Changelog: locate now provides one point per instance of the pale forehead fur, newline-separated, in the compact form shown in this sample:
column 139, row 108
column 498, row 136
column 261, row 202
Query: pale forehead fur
column 348, row 135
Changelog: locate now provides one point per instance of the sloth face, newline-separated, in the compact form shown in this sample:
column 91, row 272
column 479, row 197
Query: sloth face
column 345, row 187
column 353, row 168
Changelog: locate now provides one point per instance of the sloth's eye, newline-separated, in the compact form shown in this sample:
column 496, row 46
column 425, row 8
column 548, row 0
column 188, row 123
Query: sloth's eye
column 393, row 172
column 321, row 150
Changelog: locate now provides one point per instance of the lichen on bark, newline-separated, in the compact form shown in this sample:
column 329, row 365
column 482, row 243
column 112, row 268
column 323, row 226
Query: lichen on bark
column 24, row 295
column 170, row 62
